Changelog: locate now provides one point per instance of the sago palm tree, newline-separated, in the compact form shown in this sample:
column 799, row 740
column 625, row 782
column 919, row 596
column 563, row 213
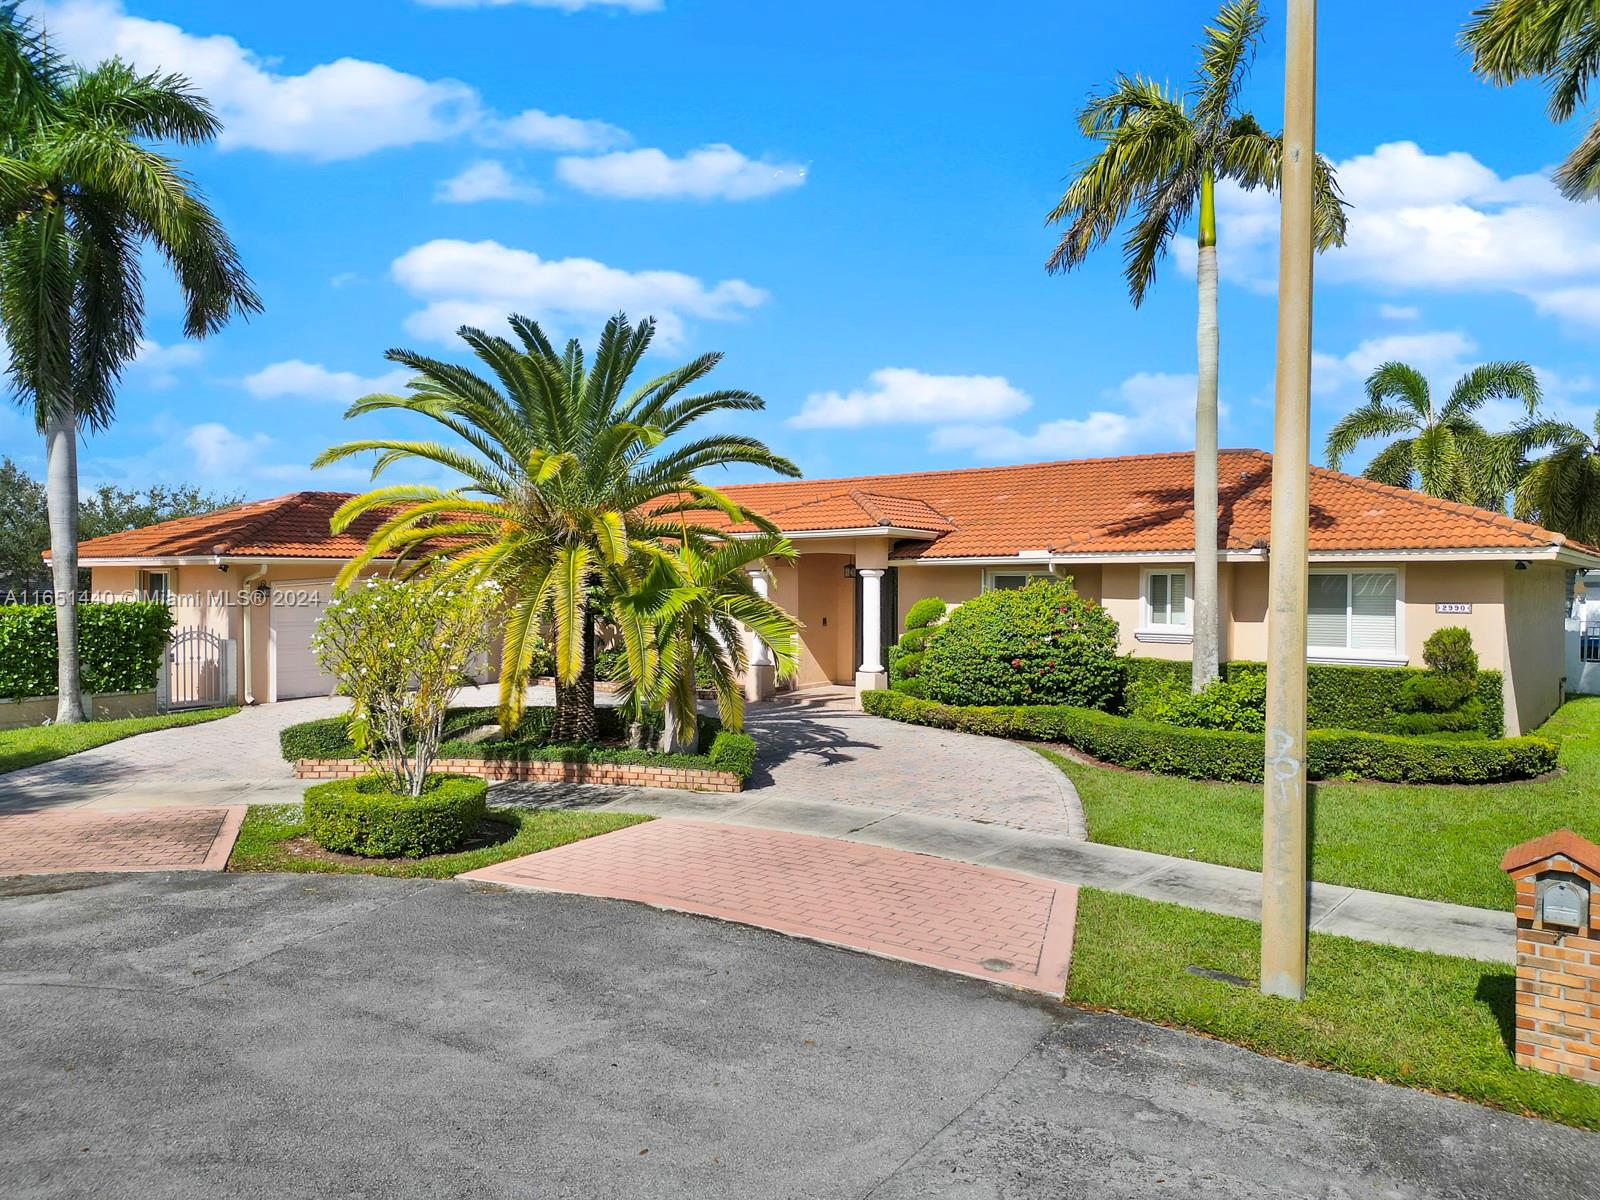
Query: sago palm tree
column 81, row 197
column 1161, row 154
column 1561, row 490
column 567, row 476
column 696, row 600
column 1554, row 40
column 1439, row 448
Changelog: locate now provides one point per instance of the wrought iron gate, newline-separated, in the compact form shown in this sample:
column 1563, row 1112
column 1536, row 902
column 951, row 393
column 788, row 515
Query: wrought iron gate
column 199, row 670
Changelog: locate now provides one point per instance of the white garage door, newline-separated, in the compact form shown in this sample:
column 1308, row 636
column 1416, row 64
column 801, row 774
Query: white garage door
column 296, row 609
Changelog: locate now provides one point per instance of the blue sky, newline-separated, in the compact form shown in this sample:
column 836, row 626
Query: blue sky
column 847, row 199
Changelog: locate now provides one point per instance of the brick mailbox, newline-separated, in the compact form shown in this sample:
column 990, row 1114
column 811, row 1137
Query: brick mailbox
column 1558, row 953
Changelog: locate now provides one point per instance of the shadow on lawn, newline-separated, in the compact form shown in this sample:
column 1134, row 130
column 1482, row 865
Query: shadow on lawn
column 1499, row 993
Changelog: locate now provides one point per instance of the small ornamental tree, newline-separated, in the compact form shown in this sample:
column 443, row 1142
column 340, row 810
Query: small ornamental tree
column 400, row 651
column 1041, row 644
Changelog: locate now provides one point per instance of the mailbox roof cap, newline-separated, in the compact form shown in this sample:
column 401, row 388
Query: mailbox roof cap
column 1562, row 842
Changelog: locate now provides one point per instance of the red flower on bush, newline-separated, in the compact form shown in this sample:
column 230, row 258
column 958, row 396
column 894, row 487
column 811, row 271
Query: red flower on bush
column 1016, row 662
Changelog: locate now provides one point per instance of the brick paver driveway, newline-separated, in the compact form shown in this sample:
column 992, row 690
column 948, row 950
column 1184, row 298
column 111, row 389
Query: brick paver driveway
column 825, row 749
column 162, row 839
column 991, row 924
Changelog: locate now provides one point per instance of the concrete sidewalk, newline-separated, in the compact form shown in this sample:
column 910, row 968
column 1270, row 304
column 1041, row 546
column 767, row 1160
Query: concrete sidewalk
column 1456, row 929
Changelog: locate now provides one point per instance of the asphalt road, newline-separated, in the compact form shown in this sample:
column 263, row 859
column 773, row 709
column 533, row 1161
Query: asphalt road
column 194, row 1035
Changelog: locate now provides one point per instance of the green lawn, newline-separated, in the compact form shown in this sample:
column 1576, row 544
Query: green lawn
column 268, row 829
column 1439, row 842
column 41, row 743
column 1403, row 1016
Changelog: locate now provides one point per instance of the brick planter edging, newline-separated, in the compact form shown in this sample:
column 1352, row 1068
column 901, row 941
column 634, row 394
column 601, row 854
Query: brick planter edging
column 690, row 779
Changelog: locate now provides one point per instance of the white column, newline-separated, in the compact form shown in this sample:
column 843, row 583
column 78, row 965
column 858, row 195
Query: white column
column 760, row 653
column 871, row 674
column 761, row 680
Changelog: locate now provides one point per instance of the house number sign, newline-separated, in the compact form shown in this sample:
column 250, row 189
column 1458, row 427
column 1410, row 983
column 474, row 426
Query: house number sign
column 1443, row 607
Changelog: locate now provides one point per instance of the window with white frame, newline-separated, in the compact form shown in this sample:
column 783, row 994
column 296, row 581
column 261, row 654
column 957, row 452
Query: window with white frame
column 1009, row 580
column 155, row 585
column 1166, row 600
column 1353, row 612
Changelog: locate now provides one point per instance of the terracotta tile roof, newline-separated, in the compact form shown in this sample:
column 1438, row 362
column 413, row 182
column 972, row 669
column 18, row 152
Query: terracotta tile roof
column 292, row 526
column 1142, row 503
column 1088, row 506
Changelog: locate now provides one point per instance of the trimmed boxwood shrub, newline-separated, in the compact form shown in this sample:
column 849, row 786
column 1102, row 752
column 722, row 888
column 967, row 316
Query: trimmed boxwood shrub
column 734, row 752
column 361, row 816
column 1040, row 644
column 119, row 647
column 1337, row 697
column 1227, row 755
column 925, row 612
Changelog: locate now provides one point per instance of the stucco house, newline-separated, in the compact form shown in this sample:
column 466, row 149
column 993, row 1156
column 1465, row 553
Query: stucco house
column 1389, row 566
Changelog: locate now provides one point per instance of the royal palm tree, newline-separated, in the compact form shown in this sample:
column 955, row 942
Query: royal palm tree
column 81, row 197
column 1554, row 40
column 1441, row 449
column 1161, row 156
column 567, row 479
column 695, row 600
column 1561, row 490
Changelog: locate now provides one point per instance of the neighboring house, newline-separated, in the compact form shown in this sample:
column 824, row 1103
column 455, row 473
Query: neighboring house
column 1388, row 566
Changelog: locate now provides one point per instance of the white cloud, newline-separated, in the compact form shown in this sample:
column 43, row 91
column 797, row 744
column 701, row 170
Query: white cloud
column 1436, row 354
column 547, row 131
column 219, row 452
column 339, row 109
column 1150, row 410
column 160, row 364
column 637, row 6
column 1399, row 312
column 313, row 381
column 486, row 179
column 716, row 172
column 899, row 395
column 479, row 283
column 1433, row 222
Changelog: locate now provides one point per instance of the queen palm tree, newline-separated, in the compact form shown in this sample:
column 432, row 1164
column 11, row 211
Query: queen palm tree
column 697, row 600
column 1441, row 449
column 1561, row 490
column 567, row 479
column 1161, row 155
column 81, row 196
column 1554, row 40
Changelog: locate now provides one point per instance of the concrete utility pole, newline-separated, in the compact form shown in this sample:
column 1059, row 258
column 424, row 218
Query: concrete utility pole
column 1283, row 879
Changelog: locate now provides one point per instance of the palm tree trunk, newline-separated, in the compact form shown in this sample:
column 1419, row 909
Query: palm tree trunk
column 680, row 736
column 61, row 502
column 575, row 715
column 1205, row 626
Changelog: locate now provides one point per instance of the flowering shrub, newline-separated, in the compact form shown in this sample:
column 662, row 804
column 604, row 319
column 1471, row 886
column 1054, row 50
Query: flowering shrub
column 1042, row 644
column 400, row 652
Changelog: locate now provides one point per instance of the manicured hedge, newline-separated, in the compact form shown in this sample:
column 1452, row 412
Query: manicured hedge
column 726, row 750
column 119, row 647
column 1223, row 754
column 1337, row 697
column 361, row 816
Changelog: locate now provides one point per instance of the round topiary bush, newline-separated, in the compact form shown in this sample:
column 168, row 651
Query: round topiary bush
column 925, row 612
column 362, row 816
column 1042, row 644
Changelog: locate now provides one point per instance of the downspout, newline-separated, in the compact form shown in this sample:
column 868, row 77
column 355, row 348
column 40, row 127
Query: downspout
column 247, row 590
